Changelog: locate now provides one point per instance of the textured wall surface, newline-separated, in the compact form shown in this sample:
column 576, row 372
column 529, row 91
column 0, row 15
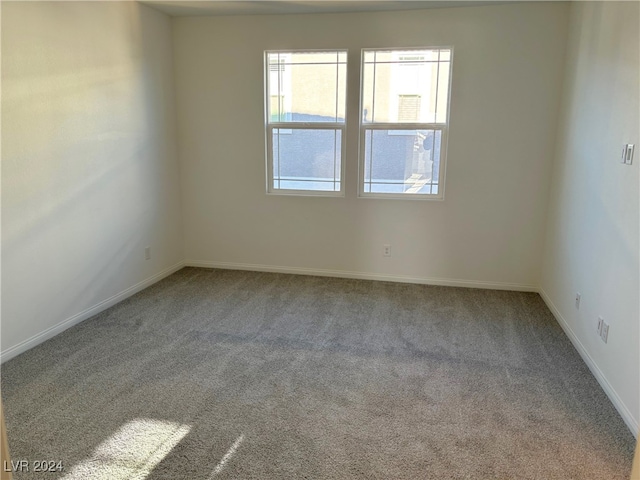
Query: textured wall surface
column 593, row 242
column 89, row 165
column 507, row 75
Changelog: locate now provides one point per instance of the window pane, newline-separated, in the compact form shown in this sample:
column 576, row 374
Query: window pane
column 393, row 80
column 369, row 56
column 276, row 107
column 311, row 86
column 443, row 86
column 367, row 92
column 402, row 161
column 299, row 58
column 314, row 93
column 342, row 93
column 307, row 159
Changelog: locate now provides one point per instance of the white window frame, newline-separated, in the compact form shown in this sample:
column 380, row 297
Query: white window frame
column 290, row 126
column 364, row 127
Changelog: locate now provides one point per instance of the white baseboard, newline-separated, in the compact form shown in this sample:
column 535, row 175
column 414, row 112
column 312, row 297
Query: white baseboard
column 89, row 312
column 449, row 282
column 624, row 412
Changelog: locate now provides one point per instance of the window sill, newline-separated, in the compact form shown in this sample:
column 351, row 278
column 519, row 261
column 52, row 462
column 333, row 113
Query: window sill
column 401, row 196
column 304, row 193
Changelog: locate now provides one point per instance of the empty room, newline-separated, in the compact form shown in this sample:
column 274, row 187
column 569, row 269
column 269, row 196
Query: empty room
column 320, row 240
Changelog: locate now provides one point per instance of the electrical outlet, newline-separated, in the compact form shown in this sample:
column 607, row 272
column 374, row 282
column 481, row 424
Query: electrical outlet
column 147, row 253
column 578, row 297
column 605, row 332
column 600, row 323
column 627, row 154
column 386, row 250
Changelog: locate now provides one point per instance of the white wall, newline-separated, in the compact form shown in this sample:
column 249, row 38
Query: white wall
column 89, row 161
column 592, row 240
column 507, row 76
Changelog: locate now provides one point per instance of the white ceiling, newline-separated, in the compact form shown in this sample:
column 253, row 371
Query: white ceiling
column 243, row 7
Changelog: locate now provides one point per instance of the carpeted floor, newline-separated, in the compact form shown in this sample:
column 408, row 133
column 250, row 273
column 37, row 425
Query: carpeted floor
column 223, row 374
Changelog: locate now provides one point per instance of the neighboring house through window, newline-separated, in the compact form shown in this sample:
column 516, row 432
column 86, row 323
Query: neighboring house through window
column 408, row 108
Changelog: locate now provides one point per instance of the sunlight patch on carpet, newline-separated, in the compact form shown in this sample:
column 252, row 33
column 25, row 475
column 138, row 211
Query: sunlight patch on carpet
column 132, row 452
column 227, row 456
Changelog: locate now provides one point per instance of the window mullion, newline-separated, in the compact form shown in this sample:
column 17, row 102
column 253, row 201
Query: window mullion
column 307, row 125
column 403, row 126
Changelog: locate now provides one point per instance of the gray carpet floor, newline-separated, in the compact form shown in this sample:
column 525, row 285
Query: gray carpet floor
column 223, row 374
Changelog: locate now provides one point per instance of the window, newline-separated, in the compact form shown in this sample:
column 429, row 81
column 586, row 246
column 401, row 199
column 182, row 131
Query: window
column 404, row 119
column 305, row 121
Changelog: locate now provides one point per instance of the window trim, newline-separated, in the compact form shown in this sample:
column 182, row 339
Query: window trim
column 363, row 127
column 270, row 126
